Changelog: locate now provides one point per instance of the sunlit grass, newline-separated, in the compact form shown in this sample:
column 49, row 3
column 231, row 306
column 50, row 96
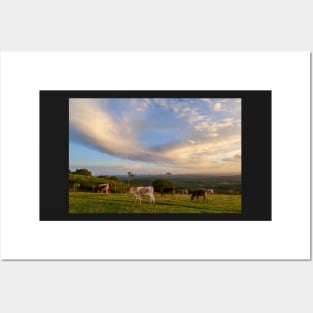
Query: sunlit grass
column 81, row 202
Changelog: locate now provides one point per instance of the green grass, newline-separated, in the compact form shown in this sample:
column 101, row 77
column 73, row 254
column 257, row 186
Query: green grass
column 84, row 202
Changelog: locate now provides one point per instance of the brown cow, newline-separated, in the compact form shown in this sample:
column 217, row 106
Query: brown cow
column 200, row 193
column 170, row 190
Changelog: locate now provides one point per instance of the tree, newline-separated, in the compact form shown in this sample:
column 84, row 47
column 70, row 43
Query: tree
column 160, row 184
column 83, row 171
column 103, row 176
column 130, row 176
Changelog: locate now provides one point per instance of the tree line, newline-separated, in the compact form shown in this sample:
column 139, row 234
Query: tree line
column 82, row 180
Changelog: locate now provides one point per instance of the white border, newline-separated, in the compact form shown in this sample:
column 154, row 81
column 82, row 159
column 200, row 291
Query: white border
column 23, row 74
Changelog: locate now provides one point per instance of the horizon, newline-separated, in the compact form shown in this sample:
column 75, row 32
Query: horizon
column 151, row 136
column 158, row 174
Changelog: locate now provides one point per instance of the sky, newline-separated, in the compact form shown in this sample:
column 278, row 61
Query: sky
column 155, row 135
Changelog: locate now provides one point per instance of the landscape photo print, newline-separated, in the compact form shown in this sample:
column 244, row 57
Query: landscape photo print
column 155, row 155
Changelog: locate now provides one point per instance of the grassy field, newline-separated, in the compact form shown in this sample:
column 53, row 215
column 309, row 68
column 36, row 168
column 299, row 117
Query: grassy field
column 85, row 202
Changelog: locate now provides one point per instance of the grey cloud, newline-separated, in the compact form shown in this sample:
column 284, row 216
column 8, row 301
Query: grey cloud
column 235, row 158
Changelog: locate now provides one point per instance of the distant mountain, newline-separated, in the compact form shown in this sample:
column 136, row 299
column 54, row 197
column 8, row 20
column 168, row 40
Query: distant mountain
column 190, row 181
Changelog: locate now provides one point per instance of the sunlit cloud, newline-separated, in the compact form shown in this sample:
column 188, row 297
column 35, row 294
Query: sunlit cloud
column 97, row 128
column 177, row 134
column 218, row 106
column 235, row 158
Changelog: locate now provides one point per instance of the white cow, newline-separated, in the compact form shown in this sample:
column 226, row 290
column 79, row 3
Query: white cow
column 211, row 191
column 143, row 191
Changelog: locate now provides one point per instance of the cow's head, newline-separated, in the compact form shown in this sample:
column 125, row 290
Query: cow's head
column 132, row 190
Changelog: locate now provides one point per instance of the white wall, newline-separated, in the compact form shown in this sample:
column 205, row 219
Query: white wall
column 250, row 286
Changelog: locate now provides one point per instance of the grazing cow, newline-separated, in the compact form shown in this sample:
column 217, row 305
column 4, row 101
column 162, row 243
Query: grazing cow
column 170, row 190
column 143, row 191
column 184, row 192
column 200, row 193
column 210, row 191
column 103, row 188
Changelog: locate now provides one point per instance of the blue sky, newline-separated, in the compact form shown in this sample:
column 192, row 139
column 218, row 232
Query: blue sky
column 155, row 135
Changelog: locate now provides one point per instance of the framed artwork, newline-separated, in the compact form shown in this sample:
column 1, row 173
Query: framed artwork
column 155, row 156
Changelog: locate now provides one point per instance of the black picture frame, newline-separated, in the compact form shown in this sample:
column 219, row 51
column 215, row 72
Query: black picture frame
column 256, row 155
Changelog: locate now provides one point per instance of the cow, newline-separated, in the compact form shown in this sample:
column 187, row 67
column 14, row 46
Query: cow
column 170, row 190
column 184, row 192
column 200, row 193
column 210, row 191
column 103, row 188
column 143, row 191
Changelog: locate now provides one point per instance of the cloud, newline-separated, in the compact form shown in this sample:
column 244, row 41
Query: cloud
column 161, row 101
column 218, row 106
column 205, row 144
column 200, row 155
column 95, row 127
column 228, row 105
column 235, row 158
column 203, row 122
column 142, row 106
column 209, row 129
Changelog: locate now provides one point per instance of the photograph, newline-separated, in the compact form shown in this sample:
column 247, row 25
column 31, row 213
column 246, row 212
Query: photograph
column 155, row 155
